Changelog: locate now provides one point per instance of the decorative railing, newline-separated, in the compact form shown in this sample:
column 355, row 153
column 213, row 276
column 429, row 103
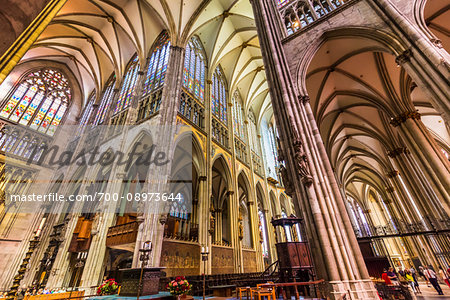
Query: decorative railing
column 122, row 234
column 192, row 110
column 20, row 142
column 120, row 118
column 426, row 225
column 240, row 149
column 219, row 133
column 149, row 105
column 297, row 14
column 222, row 243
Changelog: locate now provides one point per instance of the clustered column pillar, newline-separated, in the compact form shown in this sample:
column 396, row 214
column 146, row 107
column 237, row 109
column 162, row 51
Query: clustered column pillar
column 426, row 153
column 309, row 175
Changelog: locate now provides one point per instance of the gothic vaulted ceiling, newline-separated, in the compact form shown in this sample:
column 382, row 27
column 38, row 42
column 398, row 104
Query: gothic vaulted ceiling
column 356, row 87
column 98, row 37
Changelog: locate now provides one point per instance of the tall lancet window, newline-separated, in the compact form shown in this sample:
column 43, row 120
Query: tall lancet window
column 272, row 140
column 39, row 100
column 218, row 96
column 238, row 120
column 105, row 103
column 194, row 69
column 128, row 86
column 263, row 234
column 85, row 117
column 157, row 65
column 254, row 132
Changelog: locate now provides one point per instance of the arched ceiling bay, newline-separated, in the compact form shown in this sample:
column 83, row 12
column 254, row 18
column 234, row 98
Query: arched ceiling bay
column 437, row 18
column 95, row 38
column 356, row 87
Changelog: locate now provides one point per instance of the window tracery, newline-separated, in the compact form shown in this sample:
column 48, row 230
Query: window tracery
column 238, row 120
column 194, row 69
column 300, row 13
column 128, row 86
column 105, row 102
column 193, row 91
column 157, row 65
column 39, row 101
column 218, row 96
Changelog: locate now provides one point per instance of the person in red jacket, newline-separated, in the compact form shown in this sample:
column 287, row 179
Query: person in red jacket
column 385, row 277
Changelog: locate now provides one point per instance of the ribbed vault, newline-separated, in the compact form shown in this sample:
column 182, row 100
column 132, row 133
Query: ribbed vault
column 95, row 38
column 356, row 87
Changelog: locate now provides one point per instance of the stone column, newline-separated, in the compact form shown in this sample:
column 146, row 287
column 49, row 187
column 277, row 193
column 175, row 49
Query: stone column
column 330, row 233
column 17, row 50
column 427, row 154
column 429, row 66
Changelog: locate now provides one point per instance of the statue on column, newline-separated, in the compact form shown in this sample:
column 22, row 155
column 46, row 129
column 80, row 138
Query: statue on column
column 302, row 163
column 240, row 227
column 212, row 220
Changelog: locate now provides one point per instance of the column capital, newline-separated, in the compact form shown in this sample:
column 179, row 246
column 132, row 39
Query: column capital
column 404, row 57
column 140, row 73
column 393, row 174
column 390, row 189
column 401, row 118
column 304, row 99
column 175, row 47
column 209, row 81
column 367, row 211
column 202, row 178
column 230, row 193
column 437, row 43
column 397, row 151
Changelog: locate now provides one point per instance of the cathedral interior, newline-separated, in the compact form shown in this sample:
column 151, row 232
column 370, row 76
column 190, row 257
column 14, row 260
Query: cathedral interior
column 320, row 126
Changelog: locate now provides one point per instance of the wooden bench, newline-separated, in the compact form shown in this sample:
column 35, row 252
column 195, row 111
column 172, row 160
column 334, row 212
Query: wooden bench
column 223, row 290
column 284, row 285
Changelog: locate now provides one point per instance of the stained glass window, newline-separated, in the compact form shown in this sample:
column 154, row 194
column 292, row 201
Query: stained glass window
column 128, row 85
column 263, row 232
column 39, row 100
column 105, row 102
column 238, row 120
column 255, row 146
column 273, row 145
column 194, row 69
column 157, row 65
column 88, row 110
column 218, row 96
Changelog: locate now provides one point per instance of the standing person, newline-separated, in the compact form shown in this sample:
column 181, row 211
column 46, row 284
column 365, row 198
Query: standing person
column 431, row 275
column 414, row 275
column 411, row 282
column 392, row 276
column 444, row 276
column 385, row 277
column 421, row 270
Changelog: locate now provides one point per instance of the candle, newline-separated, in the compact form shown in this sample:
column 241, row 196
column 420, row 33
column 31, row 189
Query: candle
column 207, row 250
column 38, row 232
column 203, row 249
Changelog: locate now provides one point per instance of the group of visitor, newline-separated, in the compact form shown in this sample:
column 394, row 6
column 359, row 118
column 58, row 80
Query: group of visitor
column 21, row 293
column 391, row 277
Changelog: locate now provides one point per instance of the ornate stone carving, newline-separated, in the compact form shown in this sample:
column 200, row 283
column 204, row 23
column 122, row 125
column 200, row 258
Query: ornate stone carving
column 404, row 57
column 240, row 227
column 302, row 163
column 393, row 173
column 401, row 118
column 437, row 43
column 304, row 99
column 397, row 151
column 289, row 189
column 390, row 189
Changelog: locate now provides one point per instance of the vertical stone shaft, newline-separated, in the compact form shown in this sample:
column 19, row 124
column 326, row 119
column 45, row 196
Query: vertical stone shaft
column 337, row 243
